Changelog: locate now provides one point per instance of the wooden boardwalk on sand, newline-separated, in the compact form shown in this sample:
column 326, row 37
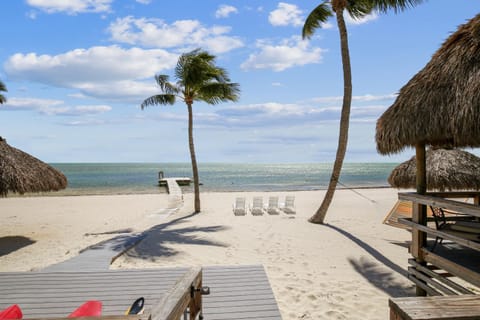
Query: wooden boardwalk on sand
column 237, row 292
column 175, row 192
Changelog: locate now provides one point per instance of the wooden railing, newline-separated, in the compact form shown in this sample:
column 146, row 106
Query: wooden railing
column 186, row 293
column 425, row 262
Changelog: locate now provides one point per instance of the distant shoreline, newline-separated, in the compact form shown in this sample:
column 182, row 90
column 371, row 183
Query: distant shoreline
column 162, row 190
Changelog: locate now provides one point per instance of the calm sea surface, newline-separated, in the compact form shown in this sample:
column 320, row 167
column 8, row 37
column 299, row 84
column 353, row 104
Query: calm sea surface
column 127, row 178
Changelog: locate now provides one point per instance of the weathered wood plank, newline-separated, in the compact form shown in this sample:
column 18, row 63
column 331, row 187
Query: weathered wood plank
column 426, row 270
column 442, row 234
column 465, row 307
column 173, row 303
column 428, row 200
column 453, row 268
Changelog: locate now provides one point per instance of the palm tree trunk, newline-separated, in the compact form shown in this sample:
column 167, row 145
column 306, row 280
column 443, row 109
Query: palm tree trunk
column 196, row 183
column 319, row 216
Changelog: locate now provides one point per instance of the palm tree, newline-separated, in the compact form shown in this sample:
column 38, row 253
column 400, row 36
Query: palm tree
column 3, row 88
column 356, row 9
column 198, row 79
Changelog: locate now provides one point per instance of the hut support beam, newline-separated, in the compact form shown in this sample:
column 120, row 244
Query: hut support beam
column 419, row 214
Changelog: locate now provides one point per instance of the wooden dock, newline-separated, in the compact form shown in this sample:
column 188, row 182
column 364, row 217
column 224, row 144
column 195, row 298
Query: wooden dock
column 175, row 198
column 180, row 181
column 237, row 292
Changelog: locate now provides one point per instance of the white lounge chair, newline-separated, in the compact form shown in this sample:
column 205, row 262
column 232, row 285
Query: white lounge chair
column 257, row 206
column 240, row 206
column 273, row 206
column 289, row 207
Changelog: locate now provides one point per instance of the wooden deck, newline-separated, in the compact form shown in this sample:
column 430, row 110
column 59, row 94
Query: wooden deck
column 182, row 181
column 237, row 292
column 466, row 307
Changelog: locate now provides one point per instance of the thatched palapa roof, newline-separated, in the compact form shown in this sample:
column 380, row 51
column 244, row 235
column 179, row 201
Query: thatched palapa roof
column 441, row 104
column 447, row 169
column 21, row 172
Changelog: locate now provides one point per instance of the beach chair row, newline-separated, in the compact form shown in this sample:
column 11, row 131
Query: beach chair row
column 257, row 207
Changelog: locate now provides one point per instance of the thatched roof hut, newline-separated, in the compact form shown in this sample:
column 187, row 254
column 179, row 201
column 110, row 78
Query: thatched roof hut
column 441, row 104
column 447, row 169
column 21, row 172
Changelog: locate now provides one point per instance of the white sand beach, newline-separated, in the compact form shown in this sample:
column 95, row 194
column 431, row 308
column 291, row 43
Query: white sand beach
column 346, row 269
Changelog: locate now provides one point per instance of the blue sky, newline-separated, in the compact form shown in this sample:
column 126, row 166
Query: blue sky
column 77, row 72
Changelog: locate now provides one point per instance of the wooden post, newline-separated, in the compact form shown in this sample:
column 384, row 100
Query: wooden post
column 419, row 214
column 178, row 298
column 476, row 199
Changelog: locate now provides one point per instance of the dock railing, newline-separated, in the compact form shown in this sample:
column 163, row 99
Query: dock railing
column 426, row 263
column 186, row 293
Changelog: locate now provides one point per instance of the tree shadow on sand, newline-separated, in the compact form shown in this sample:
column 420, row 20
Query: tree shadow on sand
column 376, row 273
column 155, row 242
column 10, row 244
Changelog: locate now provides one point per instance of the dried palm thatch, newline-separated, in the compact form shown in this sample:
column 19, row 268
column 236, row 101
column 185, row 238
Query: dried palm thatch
column 447, row 169
column 441, row 103
column 21, row 172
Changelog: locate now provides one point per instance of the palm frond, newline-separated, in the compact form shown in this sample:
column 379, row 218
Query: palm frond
column 3, row 87
column 3, row 99
column 215, row 92
column 165, row 86
column 315, row 19
column 395, row 5
column 359, row 8
column 159, row 99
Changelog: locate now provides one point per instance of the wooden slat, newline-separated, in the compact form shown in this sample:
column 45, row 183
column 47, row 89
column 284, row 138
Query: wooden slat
column 452, row 267
column 438, row 286
column 466, row 307
column 426, row 270
column 421, row 284
column 428, row 200
column 442, row 234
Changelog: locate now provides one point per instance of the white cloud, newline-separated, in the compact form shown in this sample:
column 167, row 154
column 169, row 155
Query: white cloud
column 364, row 98
column 286, row 14
column 144, row 1
column 287, row 54
column 71, row 6
column 281, row 115
column 182, row 33
column 125, row 91
column 53, row 107
column 224, row 11
column 93, row 70
column 371, row 17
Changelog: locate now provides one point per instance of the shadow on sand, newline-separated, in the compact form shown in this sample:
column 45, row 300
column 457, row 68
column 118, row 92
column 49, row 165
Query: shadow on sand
column 155, row 241
column 376, row 273
column 10, row 244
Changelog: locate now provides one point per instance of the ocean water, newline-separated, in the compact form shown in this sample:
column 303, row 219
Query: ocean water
column 128, row 178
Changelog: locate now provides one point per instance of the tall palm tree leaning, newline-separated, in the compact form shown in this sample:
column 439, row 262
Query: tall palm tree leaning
column 356, row 9
column 3, row 88
column 198, row 79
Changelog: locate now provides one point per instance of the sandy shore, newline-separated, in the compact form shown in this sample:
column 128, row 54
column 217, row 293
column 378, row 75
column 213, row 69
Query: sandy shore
column 346, row 269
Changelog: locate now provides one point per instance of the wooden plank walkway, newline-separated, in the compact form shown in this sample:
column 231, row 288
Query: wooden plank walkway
column 99, row 256
column 175, row 198
column 237, row 292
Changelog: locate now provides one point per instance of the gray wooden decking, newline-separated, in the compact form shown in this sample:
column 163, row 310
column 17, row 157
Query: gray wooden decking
column 237, row 292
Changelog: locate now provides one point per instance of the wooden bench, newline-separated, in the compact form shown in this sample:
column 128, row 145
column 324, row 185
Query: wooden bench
column 464, row 307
